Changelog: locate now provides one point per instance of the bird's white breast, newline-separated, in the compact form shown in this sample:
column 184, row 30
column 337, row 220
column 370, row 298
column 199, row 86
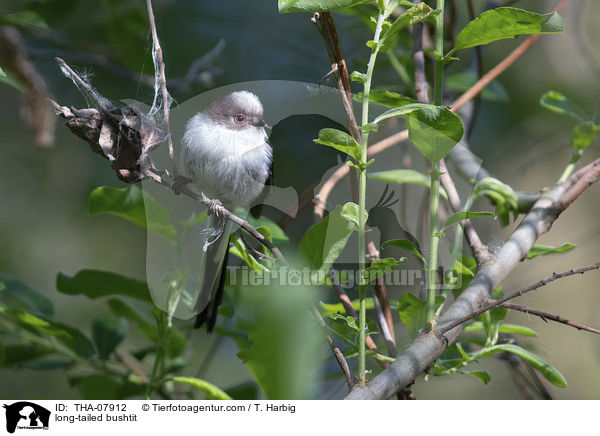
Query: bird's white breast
column 231, row 165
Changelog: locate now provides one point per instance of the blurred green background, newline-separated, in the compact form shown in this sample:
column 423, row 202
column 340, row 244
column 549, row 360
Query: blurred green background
column 45, row 228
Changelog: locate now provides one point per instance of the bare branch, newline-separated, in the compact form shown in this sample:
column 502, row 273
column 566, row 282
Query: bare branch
column 351, row 379
column 495, row 303
column 162, row 78
column 547, row 316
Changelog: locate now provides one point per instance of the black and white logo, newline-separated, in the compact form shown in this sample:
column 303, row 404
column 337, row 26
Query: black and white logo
column 26, row 415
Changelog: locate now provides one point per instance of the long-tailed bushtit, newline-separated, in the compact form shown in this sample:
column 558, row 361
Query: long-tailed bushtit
column 227, row 155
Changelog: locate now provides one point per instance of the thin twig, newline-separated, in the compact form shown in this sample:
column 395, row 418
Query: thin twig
column 547, row 316
column 496, row 303
column 480, row 250
column 157, row 51
column 351, row 379
column 131, row 365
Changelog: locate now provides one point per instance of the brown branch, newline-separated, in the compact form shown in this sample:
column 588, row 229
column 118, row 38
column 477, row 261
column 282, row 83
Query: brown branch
column 35, row 109
column 547, row 316
column 351, row 379
column 162, row 78
column 495, row 303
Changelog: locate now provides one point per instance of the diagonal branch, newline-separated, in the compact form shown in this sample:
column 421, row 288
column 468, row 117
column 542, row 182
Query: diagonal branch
column 549, row 316
column 425, row 349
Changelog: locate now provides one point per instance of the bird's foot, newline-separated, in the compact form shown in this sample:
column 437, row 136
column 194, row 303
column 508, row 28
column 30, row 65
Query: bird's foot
column 180, row 183
column 214, row 206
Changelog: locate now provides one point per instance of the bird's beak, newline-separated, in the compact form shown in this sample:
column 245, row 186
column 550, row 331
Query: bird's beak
column 261, row 123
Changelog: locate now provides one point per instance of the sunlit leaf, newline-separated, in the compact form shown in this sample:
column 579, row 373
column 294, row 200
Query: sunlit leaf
column 556, row 102
column 340, row 141
column 542, row 250
column 411, row 16
column 211, row 391
column 502, row 23
column 549, row 372
column 584, row 134
column 404, row 244
column 316, row 5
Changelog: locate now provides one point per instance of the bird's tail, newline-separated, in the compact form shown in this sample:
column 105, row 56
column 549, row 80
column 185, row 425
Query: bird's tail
column 211, row 278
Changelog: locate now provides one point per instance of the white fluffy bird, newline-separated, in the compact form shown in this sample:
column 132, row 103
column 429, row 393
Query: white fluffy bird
column 227, row 155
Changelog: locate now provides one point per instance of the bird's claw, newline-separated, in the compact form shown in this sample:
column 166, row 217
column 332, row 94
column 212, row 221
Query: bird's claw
column 214, row 206
column 180, row 183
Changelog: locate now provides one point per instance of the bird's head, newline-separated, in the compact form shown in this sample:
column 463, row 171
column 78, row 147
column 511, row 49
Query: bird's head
column 239, row 110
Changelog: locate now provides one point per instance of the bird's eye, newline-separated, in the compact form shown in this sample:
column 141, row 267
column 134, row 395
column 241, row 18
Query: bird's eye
column 239, row 118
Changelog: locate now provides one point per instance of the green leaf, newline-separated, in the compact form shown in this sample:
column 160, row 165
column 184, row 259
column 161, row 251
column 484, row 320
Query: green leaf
column 27, row 19
column 386, row 98
column 211, row 391
column 461, row 82
column 584, row 134
column 434, row 130
column 404, row 244
column 340, row 141
column 48, row 362
column 277, row 234
column 556, row 102
column 244, row 391
column 542, row 250
column 402, row 176
column 324, row 242
column 350, row 212
column 107, row 333
column 357, row 76
column 134, row 205
column 121, row 309
column 502, row 23
column 502, row 328
column 316, row 5
column 481, row 375
column 380, row 267
column 412, row 312
column 17, row 355
column 97, row 387
column 549, row 372
column 69, row 336
column 95, row 284
column 459, row 216
column 501, row 195
column 238, row 248
column 36, row 302
column 413, row 15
